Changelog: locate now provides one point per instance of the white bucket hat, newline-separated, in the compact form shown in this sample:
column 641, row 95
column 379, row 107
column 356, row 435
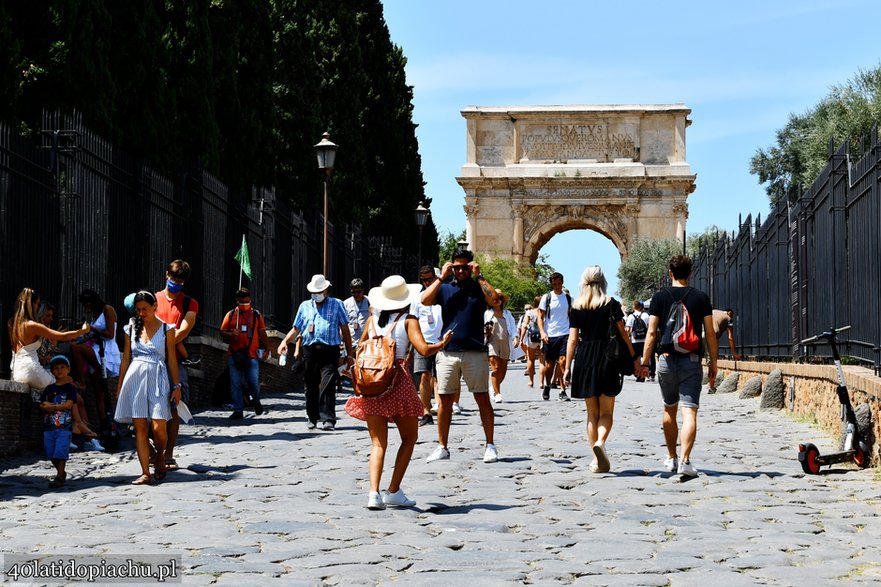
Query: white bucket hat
column 318, row 284
column 394, row 294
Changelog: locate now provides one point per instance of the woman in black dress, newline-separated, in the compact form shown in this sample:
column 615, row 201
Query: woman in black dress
column 592, row 313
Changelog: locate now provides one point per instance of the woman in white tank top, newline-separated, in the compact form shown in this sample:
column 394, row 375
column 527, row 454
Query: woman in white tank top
column 391, row 316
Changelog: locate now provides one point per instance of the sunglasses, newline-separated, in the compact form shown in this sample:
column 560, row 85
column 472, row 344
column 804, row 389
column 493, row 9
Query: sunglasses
column 357, row 291
column 426, row 279
column 461, row 267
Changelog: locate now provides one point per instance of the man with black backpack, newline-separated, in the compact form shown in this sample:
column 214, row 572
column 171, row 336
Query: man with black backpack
column 553, row 323
column 637, row 326
column 680, row 314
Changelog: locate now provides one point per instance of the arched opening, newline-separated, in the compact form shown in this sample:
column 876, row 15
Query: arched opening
column 571, row 250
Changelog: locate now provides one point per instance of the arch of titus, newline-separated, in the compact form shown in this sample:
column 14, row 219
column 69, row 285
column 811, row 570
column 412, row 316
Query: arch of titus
column 533, row 172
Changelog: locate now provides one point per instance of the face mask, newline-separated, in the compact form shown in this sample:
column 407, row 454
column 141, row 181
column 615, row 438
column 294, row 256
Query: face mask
column 173, row 287
column 318, row 298
column 245, row 307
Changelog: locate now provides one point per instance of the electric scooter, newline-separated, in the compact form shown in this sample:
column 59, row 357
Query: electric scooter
column 854, row 447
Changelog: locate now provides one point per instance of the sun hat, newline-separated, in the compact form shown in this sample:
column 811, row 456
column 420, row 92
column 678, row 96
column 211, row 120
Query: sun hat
column 394, row 293
column 318, row 284
column 58, row 360
column 129, row 302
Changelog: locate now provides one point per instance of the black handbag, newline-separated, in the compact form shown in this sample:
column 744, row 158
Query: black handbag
column 618, row 356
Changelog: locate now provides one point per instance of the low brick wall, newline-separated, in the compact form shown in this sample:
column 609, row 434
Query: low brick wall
column 273, row 379
column 21, row 420
column 815, row 395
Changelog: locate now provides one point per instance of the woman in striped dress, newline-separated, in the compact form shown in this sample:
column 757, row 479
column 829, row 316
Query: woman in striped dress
column 143, row 391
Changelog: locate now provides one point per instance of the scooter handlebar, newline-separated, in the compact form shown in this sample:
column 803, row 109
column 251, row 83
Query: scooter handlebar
column 828, row 334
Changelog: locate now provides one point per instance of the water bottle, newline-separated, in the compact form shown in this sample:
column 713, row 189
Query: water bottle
column 282, row 360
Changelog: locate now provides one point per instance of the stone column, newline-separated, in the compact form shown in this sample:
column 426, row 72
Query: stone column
column 518, row 211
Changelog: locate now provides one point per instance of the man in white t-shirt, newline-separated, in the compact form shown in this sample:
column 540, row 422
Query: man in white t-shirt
column 431, row 324
column 553, row 323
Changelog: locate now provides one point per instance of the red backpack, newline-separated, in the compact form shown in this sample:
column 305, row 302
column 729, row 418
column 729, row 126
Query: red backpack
column 375, row 365
column 679, row 333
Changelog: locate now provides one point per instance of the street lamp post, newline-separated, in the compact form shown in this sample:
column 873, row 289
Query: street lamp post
column 326, row 152
column 421, row 214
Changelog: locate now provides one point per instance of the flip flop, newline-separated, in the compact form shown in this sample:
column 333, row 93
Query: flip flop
column 171, row 465
column 142, row 480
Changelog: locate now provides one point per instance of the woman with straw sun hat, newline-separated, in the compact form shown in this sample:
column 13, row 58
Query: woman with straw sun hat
column 391, row 316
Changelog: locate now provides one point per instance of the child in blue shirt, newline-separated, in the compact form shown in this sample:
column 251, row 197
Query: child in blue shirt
column 57, row 401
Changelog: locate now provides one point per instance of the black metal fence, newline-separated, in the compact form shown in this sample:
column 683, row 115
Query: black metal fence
column 810, row 265
column 76, row 212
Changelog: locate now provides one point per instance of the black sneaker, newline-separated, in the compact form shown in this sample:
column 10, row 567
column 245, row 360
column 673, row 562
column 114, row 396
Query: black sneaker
column 546, row 392
column 236, row 416
column 563, row 397
column 258, row 408
column 426, row 420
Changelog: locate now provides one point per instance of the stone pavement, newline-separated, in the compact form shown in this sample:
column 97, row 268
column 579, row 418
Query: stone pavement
column 268, row 501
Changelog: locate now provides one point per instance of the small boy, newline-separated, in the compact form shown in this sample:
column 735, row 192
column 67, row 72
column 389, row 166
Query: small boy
column 57, row 401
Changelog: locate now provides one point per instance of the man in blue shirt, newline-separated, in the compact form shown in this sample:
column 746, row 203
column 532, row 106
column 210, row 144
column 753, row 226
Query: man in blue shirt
column 463, row 302
column 323, row 323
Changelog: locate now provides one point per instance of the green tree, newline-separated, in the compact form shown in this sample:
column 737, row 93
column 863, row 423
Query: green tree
column 448, row 242
column 644, row 269
column 801, row 152
column 708, row 238
column 520, row 282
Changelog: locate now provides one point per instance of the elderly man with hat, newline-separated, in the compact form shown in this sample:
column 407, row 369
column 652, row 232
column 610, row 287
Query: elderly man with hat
column 323, row 323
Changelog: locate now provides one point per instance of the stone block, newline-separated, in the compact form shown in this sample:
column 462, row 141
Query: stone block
column 774, row 393
column 753, row 388
column 729, row 384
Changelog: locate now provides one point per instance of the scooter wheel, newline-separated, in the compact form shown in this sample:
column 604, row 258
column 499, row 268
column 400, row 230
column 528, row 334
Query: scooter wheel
column 809, row 463
column 859, row 457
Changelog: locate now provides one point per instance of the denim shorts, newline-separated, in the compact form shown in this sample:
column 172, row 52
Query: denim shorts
column 423, row 364
column 57, row 444
column 680, row 378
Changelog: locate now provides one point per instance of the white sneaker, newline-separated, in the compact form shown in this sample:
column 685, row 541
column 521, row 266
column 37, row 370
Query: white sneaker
column 456, row 408
column 433, row 409
column 374, row 501
column 439, row 454
column 94, row 445
column 397, row 499
column 671, row 464
column 490, row 455
column 497, row 398
column 686, row 469
column 73, row 446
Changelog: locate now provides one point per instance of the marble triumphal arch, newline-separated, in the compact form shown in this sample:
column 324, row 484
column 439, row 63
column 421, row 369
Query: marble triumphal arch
column 533, row 172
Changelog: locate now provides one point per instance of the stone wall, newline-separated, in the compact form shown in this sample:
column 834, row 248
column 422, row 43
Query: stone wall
column 815, row 397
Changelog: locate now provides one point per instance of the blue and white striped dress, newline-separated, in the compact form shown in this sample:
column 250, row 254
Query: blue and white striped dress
column 145, row 390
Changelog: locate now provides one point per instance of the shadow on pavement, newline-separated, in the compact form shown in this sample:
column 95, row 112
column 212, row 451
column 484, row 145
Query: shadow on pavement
column 443, row 509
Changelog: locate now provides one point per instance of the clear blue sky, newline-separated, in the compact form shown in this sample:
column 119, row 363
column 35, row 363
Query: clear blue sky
column 742, row 67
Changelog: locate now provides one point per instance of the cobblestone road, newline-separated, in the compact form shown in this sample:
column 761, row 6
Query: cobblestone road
column 270, row 501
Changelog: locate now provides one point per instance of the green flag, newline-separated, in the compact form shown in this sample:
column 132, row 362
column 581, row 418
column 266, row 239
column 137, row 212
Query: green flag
column 243, row 258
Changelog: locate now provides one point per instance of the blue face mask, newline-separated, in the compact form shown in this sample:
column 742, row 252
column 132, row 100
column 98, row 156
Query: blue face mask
column 173, row 287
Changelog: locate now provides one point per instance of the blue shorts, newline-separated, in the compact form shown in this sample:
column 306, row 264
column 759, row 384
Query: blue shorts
column 57, row 444
column 680, row 378
column 555, row 348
